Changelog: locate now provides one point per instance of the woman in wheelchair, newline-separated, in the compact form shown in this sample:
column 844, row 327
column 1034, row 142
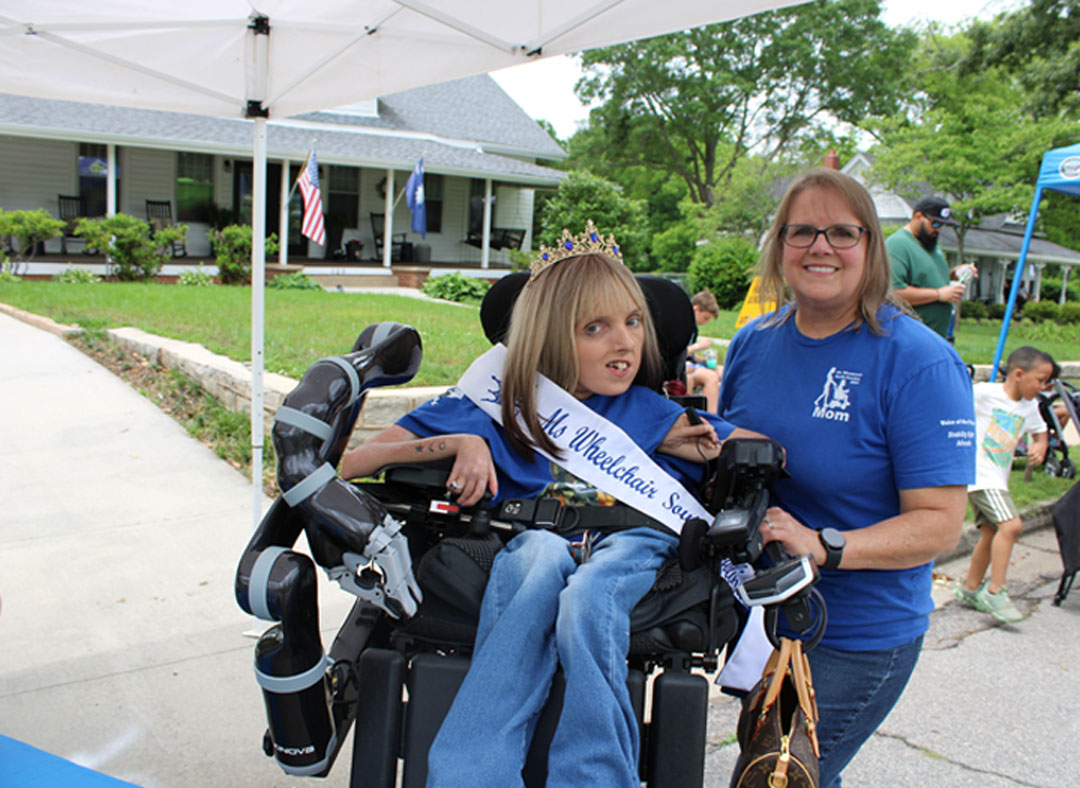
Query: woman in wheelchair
column 556, row 598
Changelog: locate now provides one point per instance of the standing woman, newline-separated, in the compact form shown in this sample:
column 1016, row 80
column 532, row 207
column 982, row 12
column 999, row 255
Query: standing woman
column 875, row 413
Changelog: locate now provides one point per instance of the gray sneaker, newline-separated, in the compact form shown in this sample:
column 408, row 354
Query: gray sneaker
column 969, row 598
column 998, row 605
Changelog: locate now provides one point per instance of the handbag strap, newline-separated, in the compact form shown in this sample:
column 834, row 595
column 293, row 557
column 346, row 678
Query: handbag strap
column 783, row 663
column 804, row 689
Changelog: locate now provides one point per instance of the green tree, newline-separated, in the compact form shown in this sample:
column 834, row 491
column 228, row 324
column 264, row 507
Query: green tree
column 1040, row 44
column 969, row 138
column 582, row 196
column 699, row 101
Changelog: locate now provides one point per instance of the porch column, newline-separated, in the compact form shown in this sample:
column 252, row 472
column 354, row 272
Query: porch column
column 388, row 220
column 1064, row 282
column 485, row 249
column 110, row 180
column 283, row 221
column 999, row 296
column 1036, row 281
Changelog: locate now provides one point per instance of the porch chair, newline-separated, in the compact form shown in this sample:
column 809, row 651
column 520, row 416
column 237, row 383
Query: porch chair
column 71, row 209
column 397, row 240
column 159, row 214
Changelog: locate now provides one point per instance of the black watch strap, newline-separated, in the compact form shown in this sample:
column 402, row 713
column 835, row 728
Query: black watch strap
column 834, row 542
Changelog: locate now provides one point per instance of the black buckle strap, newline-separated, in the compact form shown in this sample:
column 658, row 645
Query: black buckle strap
column 550, row 513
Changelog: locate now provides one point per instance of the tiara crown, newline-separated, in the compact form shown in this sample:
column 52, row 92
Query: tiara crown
column 589, row 242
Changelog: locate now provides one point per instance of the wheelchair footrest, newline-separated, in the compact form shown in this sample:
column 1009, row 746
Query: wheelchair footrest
column 433, row 682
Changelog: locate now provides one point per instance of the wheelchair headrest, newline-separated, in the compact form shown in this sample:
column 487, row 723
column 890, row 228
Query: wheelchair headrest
column 669, row 306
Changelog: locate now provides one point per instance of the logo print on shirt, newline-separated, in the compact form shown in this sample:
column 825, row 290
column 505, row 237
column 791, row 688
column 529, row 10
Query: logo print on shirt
column 835, row 398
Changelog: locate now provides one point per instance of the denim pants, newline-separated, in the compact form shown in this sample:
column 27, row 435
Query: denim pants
column 855, row 692
column 540, row 610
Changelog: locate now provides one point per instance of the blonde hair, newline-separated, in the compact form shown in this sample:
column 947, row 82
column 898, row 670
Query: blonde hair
column 542, row 338
column 875, row 288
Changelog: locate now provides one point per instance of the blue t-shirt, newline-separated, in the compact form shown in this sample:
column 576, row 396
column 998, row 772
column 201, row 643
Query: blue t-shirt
column 643, row 414
column 862, row 416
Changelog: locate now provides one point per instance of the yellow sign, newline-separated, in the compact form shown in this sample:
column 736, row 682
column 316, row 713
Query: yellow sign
column 752, row 306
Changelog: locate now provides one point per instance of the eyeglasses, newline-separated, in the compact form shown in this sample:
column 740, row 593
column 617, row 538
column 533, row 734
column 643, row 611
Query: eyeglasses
column 839, row 236
column 936, row 225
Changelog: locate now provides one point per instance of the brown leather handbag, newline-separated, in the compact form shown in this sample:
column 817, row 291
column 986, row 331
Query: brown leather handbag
column 778, row 725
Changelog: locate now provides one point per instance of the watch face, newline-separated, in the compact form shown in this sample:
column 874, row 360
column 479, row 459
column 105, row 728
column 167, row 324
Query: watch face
column 832, row 538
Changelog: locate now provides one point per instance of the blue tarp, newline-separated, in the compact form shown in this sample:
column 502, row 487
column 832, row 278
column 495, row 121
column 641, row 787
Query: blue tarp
column 1060, row 171
column 23, row 766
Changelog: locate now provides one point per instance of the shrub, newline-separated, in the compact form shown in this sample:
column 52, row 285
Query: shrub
column 995, row 311
column 975, row 309
column 136, row 250
column 673, row 249
column 26, row 229
column 582, row 196
column 232, row 249
column 1039, row 311
column 195, row 278
column 76, row 276
column 1050, row 289
column 723, row 266
column 1069, row 313
column 297, row 280
column 455, row 287
column 8, row 276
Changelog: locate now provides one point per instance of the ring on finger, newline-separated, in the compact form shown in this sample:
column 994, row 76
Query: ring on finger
column 769, row 523
column 454, row 486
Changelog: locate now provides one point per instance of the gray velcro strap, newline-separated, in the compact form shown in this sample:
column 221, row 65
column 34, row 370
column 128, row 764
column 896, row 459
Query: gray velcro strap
column 283, row 685
column 258, row 584
column 297, row 418
column 354, row 378
column 310, row 484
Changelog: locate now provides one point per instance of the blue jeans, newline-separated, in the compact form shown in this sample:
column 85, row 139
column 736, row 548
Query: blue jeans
column 855, row 692
column 542, row 609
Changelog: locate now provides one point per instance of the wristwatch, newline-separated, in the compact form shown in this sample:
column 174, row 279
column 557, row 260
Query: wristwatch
column 834, row 542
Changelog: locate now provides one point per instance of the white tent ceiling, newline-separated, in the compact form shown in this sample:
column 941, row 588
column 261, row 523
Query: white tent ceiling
column 236, row 58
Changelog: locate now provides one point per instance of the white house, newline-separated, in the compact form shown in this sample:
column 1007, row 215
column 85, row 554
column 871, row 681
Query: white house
column 480, row 151
column 993, row 246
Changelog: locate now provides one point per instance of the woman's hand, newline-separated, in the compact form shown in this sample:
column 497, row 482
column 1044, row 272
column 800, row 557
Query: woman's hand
column 474, row 470
column 797, row 539
column 695, row 442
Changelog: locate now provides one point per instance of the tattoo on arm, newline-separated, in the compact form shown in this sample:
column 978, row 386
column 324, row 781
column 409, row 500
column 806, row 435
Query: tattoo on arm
column 435, row 446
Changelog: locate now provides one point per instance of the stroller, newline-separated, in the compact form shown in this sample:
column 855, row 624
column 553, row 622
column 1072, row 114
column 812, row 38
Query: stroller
column 418, row 564
column 1058, row 463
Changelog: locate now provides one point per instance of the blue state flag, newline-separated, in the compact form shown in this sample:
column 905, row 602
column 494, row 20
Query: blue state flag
column 414, row 197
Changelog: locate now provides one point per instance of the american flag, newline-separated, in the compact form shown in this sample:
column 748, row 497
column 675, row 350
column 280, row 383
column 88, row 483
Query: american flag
column 312, row 224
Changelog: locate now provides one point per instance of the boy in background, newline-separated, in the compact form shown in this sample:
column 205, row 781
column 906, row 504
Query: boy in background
column 1004, row 413
column 698, row 371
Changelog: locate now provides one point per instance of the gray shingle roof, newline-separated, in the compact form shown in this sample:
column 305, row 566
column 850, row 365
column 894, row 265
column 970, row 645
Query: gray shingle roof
column 437, row 122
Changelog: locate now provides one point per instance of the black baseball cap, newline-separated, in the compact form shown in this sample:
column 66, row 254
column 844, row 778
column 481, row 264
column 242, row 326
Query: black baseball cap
column 935, row 209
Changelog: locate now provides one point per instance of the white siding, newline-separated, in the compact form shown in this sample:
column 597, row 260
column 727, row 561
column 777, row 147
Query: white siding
column 35, row 172
column 146, row 174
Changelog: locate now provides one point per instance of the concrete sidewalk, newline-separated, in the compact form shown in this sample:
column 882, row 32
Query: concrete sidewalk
column 121, row 646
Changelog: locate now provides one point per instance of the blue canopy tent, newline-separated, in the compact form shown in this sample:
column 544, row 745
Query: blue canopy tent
column 1060, row 171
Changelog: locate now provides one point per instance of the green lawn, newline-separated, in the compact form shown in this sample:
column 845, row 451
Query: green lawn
column 303, row 325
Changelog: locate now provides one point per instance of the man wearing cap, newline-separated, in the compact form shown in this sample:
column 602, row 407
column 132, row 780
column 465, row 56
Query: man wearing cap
column 920, row 274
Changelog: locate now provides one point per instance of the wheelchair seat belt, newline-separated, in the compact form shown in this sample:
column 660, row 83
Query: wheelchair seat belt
column 594, row 450
column 566, row 519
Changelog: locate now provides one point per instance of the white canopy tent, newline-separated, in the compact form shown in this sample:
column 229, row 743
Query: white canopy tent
column 234, row 58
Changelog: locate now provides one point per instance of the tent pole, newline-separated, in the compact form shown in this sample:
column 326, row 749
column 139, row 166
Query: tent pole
column 1017, row 276
column 283, row 221
column 258, row 292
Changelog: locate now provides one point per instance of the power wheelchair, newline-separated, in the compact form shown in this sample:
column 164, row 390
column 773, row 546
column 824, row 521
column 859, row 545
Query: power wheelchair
column 418, row 564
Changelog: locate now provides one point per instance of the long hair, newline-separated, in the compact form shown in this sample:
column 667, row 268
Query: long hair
column 542, row 338
column 875, row 287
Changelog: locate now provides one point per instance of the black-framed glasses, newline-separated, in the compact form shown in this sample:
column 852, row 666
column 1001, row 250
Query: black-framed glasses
column 839, row 236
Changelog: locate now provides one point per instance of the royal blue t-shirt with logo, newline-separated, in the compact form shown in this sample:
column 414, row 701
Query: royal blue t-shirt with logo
column 644, row 415
column 861, row 416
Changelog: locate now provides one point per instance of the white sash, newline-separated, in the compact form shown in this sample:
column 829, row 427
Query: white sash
column 594, row 450
column 600, row 453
